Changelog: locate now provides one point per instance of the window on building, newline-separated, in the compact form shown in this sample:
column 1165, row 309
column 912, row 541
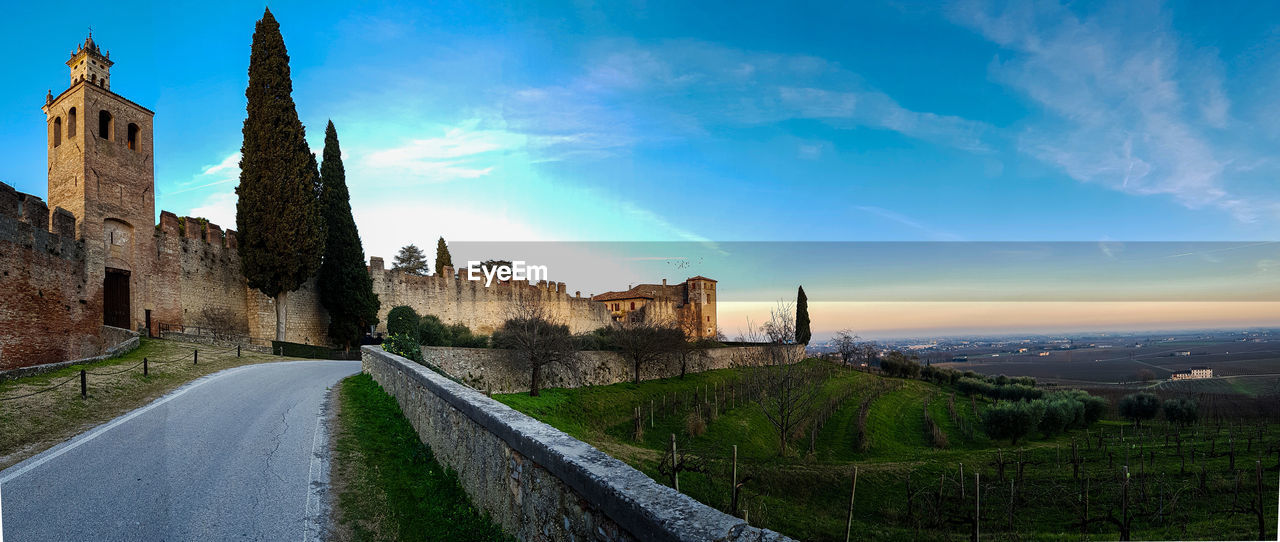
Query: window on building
column 104, row 124
column 57, row 131
column 633, row 305
column 133, row 136
column 71, row 122
column 708, row 318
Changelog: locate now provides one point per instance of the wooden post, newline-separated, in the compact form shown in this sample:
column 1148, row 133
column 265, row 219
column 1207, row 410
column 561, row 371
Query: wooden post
column 651, row 414
column 675, row 478
column 733, row 497
column 237, row 350
column 962, row 481
column 977, row 504
column 1262, row 520
column 1124, row 505
column 144, row 366
column 195, row 356
column 84, row 390
column 848, row 526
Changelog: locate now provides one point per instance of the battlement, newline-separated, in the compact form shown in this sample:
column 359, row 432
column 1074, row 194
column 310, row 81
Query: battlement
column 25, row 220
column 456, row 278
column 196, row 229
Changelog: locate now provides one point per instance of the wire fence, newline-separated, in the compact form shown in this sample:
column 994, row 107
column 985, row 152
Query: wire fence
column 193, row 356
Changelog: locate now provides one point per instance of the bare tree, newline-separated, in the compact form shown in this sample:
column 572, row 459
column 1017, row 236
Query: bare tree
column 644, row 341
column 790, row 388
column 535, row 339
column 221, row 322
column 847, row 346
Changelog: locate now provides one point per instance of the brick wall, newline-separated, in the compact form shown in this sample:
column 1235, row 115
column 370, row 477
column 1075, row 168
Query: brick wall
column 47, row 315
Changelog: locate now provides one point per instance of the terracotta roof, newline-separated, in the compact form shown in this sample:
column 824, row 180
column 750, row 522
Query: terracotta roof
column 700, row 277
column 615, row 296
column 645, row 291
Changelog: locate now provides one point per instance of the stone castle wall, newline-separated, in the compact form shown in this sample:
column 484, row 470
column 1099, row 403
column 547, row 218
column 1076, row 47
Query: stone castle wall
column 198, row 268
column 47, row 312
column 454, row 299
column 498, row 371
column 536, row 481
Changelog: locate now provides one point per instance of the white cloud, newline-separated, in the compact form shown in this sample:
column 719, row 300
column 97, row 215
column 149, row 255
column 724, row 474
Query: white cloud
column 1130, row 106
column 226, row 171
column 462, row 152
column 684, row 89
column 219, row 208
column 932, row 233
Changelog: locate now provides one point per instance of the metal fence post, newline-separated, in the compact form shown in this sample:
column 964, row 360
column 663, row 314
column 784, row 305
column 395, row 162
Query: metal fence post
column 144, row 366
column 84, row 390
column 195, row 356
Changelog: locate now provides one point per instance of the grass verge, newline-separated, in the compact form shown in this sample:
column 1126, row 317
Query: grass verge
column 387, row 483
column 33, row 419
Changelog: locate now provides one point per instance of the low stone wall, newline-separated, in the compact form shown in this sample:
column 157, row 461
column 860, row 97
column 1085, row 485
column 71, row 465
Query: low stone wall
column 116, row 341
column 536, row 481
column 244, row 343
column 496, row 370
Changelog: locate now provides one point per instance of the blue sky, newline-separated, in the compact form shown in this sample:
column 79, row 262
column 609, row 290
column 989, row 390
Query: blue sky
column 876, row 121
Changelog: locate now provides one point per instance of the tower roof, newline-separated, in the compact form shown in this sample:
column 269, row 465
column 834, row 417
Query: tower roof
column 90, row 47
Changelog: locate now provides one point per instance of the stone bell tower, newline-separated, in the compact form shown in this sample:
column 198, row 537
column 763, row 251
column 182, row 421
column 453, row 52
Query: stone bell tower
column 101, row 169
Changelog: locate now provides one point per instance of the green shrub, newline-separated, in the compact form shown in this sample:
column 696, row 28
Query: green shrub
column 1181, row 412
column 1139, row 406
column 1012, row 419
column 1060, row 413
column 403, row 320
column 403, row 345
column 433, row 332
column 898, row 364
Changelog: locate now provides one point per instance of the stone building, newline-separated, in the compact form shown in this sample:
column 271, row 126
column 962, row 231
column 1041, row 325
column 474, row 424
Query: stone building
column 98, row 260
column 691, row 304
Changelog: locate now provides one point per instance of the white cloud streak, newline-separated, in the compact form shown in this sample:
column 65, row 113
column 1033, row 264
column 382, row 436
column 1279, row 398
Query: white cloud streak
column 1129, row 105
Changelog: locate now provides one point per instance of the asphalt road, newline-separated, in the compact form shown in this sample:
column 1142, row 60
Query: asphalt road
column 236, row 455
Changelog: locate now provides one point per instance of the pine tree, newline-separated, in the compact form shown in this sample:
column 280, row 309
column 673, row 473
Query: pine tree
column 344, row 284
column 443, row 258
column 411, row 260
column 278, row 213
column 802, row 318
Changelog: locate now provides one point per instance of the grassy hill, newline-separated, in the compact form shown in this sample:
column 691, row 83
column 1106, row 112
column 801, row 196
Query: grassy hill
column 909, row 482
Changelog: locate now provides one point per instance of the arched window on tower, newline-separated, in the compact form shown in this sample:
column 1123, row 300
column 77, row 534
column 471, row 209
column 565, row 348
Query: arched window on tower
column 57, row 131
column 105, row 125
column 133, row 136
column 71, row 122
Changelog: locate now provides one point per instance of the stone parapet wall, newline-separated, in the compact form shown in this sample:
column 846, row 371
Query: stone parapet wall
column 498, row 371
column 537, row 482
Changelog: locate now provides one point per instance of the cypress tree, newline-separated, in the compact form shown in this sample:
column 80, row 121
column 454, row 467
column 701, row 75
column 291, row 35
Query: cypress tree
column 278, row 212
column 802, row 318
column 344, row 284
column 443, row 258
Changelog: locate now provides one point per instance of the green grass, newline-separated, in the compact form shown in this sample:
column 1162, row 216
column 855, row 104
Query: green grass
column 388, row 484
column 805, row 495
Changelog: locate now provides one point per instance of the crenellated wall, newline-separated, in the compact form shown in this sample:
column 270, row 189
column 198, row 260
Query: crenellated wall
column 46, row 311
column 455, row 299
